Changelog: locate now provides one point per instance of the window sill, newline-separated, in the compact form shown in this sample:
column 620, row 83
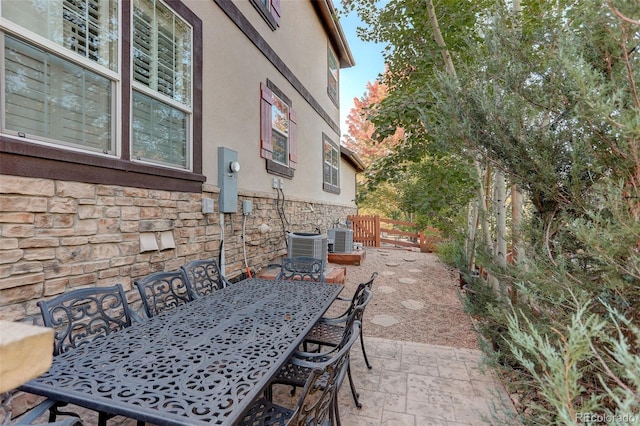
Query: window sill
column 31, row 160
column 279, row 169
column 331, row 188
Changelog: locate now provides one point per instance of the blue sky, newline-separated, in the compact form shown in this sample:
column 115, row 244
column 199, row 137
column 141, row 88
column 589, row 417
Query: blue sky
column 369, row 63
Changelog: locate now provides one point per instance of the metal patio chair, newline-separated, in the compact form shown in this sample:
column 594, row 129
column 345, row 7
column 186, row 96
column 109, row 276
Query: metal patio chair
column 318, row 401
column 291, row 374
column 302, row 268
column 78, row 317
column 328, row 331
column 164, row 291
column 204, row 276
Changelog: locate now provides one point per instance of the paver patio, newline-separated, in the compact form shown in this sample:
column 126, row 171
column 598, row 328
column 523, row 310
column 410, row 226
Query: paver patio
column 418, row 384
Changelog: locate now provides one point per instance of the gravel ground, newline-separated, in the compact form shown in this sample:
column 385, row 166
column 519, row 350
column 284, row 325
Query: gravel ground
column 418, row 291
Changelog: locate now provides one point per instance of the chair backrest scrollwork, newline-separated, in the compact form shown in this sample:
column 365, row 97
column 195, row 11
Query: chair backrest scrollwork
column 163, row 291
column 82, row 315
column 302, row 268
column 204, row 276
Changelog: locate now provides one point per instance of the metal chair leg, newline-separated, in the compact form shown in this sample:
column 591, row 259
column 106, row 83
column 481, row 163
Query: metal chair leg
column 336, row 411
column 353, row 388
column 102, row 419
column 364, row 353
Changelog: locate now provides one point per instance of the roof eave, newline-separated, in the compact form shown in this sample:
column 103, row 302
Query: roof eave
column 352, row 158
column 329, row 17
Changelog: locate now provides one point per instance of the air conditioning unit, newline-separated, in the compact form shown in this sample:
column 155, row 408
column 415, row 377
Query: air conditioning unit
column 342, row 239
column 308, row 245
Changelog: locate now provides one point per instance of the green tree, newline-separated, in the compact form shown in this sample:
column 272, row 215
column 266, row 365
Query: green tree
column 549, row 97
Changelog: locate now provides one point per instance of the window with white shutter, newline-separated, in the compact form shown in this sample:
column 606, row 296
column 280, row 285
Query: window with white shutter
column 333, row 72
column 331, row 165
column 62, row 104
column 161, row 111
column 72, row 108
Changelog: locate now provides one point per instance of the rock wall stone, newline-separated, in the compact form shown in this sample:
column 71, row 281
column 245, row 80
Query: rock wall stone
column 57, row 235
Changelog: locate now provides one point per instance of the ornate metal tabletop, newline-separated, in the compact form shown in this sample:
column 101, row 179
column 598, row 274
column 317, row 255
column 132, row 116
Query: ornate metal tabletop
column 202, row 363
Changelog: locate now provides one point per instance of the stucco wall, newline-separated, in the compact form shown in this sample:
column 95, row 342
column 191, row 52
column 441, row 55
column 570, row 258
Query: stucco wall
column 233, row 69
column 57, row 235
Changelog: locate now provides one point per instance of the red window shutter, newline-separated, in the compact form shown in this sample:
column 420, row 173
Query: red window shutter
column 266, row 101
column 275, row 10
column 293, row 133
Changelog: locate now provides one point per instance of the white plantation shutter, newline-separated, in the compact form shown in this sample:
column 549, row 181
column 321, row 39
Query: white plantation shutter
column 53, row 99
column 142, row 46
column 159, row 132
column 48, row 96
column 161, row 65
column 162, row 51
column 81, row 27
column 331, row 169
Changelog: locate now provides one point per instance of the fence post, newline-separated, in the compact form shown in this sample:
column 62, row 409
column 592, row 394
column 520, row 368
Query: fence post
column 377, row 230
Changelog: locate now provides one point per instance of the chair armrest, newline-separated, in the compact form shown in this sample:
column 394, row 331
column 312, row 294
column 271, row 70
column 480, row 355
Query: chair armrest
column 33, row 414
column 313, row 357
column 333, row 320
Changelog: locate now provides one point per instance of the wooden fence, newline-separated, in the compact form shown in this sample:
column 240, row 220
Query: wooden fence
column 374, row 231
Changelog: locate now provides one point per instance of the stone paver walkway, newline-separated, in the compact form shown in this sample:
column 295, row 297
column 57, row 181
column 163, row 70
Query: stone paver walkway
column 416, row 384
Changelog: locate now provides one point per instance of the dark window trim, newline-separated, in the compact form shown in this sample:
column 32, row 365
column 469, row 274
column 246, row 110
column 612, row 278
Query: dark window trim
column 232, row 11
column 265, row 13
column 22, row 158
column 333, row 96
column 334, row 189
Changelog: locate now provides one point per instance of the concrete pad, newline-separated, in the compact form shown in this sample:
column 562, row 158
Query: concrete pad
column 392, row 264
column 388, row 273
column 384, row 289
column 408, row 280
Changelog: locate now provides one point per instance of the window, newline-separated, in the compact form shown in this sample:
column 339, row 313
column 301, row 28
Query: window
column 72, row 87
column 333, row 73
column 277, row 131
column 280, row 131
column 50, row 99
column 269, row 10
column 64, row 93
column 161, row 110
column 331, row 165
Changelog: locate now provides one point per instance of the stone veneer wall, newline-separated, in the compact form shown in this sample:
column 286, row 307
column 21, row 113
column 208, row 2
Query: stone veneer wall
column 59, row 235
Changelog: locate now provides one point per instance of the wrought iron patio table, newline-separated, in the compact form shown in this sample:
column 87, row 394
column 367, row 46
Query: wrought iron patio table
column 202, row 363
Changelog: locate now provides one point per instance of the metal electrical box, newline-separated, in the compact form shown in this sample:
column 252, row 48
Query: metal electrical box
column 228, row 168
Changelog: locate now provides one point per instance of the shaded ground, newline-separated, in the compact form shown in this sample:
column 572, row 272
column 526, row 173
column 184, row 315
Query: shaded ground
column 418, row 291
